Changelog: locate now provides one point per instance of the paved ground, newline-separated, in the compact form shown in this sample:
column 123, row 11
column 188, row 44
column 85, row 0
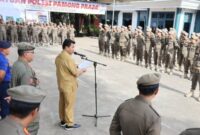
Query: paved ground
column 116, row 83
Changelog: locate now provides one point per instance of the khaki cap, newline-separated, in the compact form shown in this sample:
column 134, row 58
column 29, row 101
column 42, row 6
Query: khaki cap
column 149, row 79
column 194, row 37
column 148, row 29
column 25, row 46
column 139, row 27
column 159, row 30
column 27, row 93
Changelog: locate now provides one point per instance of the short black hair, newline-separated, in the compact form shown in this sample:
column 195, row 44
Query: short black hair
column 20, row 52
column 22, row 109
column 147, row 90
column 67, row 43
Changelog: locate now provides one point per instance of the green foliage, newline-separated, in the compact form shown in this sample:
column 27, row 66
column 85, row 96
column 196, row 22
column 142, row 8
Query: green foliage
column 91, row 30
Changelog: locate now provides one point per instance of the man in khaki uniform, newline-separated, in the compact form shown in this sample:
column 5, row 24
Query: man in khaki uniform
column 24, row 108
column 136, row 116
column 67, row 72
column 23, row 74
column 123, row 40
column 149, row 45
column 140, row 47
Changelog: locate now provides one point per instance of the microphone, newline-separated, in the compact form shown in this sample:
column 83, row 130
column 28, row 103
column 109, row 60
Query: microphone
column 82, row 55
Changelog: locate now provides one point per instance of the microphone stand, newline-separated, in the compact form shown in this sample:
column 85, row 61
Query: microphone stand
column 96, row 116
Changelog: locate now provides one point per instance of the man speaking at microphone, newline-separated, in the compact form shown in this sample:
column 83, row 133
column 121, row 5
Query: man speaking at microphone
column 67, row 72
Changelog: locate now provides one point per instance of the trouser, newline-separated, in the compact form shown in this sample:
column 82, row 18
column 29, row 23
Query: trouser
column 45, row 38
column 139, row 55
column 157, row 57
column 35, row 38
column 195, row 79
column 122, row 51
column 66, row 104
column 101, row 46
column 14, row 37
column 169, row 61
column 63, row 37
column 3, row 35
column 187, row 65
column 134, row 52
column 147, row 58
column 4, row 106
column 107, row 48
column 24, row 37
column 55, row 38
column 128, row 49
column 114, row 50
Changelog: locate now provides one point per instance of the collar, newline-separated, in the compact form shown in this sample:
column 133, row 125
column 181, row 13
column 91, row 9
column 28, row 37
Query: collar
column 15, row 124
column 140, row 98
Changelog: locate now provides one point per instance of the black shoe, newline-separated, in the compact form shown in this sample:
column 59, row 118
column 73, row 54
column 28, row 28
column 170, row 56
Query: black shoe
column 72, row 127
column 62, row 124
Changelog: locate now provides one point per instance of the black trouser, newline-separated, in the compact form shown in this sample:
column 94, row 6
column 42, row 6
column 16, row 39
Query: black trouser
column 4, row 106
column 195, row 80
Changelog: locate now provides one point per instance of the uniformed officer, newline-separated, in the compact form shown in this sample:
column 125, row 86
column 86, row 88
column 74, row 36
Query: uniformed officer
column 23, row 74
column 5, row 77
column 112, row 41
column 14, row 34
column 101, row 39
column 140, row 47
column 149, row 45
column 134, row 43
column 123, row 41
column 3, row 35
column 24, row 108
column 67, row 72
column 72, row 32
column 170, row 52
column 192, row 46
column 158, row 50
column 136, row 116
column 195, row 71
column 24, row 32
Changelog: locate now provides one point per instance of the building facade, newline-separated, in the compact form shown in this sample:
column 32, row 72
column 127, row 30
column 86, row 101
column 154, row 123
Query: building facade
column 179, row 14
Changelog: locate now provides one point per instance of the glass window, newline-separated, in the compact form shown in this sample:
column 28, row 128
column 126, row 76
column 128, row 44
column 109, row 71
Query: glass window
column 161, row 15
column 170, row 15
column 188, row 17
column 154, row 15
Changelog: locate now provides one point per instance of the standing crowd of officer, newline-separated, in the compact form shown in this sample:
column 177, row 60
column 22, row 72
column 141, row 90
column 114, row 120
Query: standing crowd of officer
column 157, row 49
column 39, row 34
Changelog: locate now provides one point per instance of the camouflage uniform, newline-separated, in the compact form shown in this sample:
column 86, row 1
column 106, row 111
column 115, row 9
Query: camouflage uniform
column 149, row 45
column 158, row 50
column 123, row 40
column 170, row 51
column 140, row 48
column 195, row 69
column 192, row 46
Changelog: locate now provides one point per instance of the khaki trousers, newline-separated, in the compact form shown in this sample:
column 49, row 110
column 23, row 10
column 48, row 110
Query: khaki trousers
column 66, row 104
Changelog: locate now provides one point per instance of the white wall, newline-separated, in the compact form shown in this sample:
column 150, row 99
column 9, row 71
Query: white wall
column 134, row 19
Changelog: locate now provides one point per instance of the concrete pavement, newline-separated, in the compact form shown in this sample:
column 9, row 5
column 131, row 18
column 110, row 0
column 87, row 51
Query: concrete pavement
column 116, row 83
